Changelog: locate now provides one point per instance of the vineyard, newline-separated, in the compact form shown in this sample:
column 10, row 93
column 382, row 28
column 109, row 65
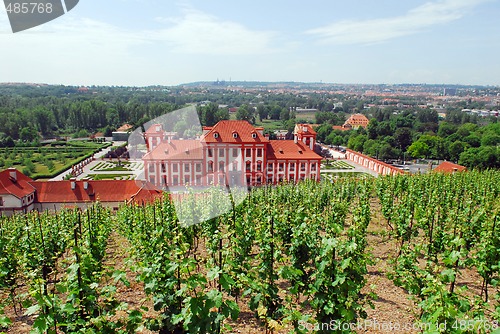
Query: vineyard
column 290, row 259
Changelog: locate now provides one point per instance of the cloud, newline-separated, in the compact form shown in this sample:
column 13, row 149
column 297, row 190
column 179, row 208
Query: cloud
column 380, row 30
column 73, row 49
column 200, row 33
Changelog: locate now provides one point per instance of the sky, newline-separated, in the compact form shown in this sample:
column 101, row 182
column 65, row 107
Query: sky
column 161, row 42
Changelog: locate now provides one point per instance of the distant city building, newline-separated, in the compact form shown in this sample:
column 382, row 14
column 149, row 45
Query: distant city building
column 230, row 152
column 450, row 92
column 353, row 122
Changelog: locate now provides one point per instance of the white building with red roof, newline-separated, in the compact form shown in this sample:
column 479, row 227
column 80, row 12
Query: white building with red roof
column 230, row 152
column 19, row 193
column 16, row 192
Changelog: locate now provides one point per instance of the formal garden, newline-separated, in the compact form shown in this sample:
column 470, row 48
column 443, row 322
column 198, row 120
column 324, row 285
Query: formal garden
column 48, row 160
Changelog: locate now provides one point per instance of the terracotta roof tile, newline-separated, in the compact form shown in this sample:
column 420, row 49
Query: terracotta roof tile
column 305, row 128
column 102, row 190
column 20, row 188
column 155, row 128
column 288, row 149
column 124, row 128
column 226, row 131
column 449, row 167
column 177, row 150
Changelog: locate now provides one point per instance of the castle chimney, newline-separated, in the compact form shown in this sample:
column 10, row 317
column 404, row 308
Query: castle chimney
column 73, row 183
column 13, row 174
column 85, row 183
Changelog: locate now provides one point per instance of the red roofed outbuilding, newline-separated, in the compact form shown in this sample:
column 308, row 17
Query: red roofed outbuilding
column 16, row 192
column 449, row 167
column 19, row 193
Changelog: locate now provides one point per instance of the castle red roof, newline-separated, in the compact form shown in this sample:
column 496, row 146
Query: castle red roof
column 224, row 132
column 19, row 186
column 155, row 128
column 288, row 149
column 177, row 150
column 102, row 190
column 305, row 129
column 449, row 167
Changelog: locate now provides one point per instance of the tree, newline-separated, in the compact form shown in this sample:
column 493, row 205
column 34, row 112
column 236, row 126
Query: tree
column 284, row 115
column 27, row 134
column 356, row 142
column 482, row 158
column 263, row 111
column 44, row 119
column 222, row 114
column 246, row 113
column 275, row 112
column 446, row 129
column 402, row 137
column 427, row 116
column 208, row 114
column 372, row 129
column 455, row 149
column 419, row 150
column 490, row 139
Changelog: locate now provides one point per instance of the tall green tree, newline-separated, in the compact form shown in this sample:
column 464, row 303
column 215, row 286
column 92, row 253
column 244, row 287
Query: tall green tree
column 246, row 113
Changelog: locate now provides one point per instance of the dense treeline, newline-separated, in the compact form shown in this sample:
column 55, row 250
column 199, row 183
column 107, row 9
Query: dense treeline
column 24, row 117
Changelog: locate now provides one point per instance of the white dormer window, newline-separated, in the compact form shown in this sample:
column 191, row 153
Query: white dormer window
column 216, row 135
column 235, row 135
column 254, row 135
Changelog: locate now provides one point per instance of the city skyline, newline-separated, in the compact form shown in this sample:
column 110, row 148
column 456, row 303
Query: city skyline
column 148, row 42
